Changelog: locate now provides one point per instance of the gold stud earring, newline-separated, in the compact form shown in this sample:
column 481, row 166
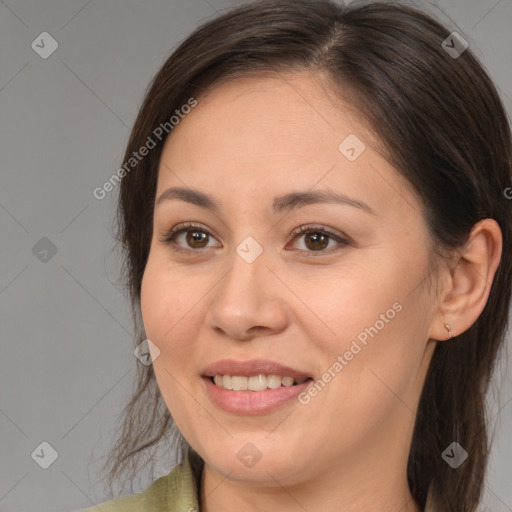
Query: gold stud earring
column 448, row 327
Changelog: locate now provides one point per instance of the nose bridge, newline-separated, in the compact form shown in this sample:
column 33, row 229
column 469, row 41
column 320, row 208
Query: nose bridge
column 245, row 297
column 248, row 270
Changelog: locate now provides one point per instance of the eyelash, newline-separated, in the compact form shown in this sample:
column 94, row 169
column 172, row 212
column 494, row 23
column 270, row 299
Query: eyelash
column 171, row 235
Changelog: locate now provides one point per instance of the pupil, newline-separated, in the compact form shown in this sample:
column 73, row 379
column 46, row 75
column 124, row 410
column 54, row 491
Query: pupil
column 315, row 237
column 194, row 237
column 318, row 240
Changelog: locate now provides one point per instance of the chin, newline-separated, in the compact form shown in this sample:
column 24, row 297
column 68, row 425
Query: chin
column 259, row 466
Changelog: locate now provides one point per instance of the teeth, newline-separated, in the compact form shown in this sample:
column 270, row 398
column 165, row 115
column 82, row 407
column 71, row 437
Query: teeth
column 257, row 383
column 225, row 381
column 287, row 381
column 254, row 383
column 239, row 383
column 273, row 381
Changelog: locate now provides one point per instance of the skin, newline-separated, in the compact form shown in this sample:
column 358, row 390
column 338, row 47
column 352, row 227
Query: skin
column 248, row 141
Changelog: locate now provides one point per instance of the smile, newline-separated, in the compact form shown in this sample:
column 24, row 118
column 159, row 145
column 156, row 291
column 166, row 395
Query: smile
column 255, row 383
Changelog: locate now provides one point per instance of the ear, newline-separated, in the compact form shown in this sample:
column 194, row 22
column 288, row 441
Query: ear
column 468, row 281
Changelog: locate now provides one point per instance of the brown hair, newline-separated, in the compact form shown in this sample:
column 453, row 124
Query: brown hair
column 446, row 131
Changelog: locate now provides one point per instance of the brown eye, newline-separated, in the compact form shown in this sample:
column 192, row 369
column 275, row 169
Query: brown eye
column 316, row 241
column 187, row 236
column 197, row 239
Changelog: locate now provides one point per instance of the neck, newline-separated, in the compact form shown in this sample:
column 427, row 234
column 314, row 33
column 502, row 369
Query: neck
column 365, row 485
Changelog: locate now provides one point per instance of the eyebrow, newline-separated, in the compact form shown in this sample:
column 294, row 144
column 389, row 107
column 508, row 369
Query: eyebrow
column 280, row 204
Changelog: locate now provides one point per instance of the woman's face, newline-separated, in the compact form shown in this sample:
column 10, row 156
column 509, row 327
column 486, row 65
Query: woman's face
column 345, row 304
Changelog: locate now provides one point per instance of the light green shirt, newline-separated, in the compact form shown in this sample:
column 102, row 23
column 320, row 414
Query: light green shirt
column 175, row 492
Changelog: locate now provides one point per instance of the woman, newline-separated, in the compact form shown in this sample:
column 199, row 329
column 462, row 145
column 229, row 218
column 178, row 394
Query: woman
column 313, row 215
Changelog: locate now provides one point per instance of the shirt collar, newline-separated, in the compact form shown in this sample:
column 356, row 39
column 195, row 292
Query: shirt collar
column 183, row 486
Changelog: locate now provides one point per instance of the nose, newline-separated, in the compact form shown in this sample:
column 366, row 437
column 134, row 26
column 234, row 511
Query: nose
column 249, row 301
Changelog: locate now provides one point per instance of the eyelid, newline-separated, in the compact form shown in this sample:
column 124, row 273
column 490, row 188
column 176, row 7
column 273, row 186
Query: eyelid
column 312, row 228
column 170, row 236
column 341, row 239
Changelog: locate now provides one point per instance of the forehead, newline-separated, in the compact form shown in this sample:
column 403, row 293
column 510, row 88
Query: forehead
column 297, row 108
column 270, row 134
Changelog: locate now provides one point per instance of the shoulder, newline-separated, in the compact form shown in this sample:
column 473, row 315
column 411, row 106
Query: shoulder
column 174, row 492
column 155, row 496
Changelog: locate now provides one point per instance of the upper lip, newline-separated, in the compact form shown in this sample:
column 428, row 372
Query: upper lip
column 252, row 368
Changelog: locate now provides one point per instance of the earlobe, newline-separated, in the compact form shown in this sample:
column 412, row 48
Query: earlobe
column 470, row 280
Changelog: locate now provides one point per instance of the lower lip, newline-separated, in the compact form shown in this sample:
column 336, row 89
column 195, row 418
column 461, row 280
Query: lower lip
column 253, row 402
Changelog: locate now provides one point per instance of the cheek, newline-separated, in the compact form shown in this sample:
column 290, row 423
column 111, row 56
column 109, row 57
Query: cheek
column 347, row 304
column 153, row 303
column 372, row 320
column 164, row 307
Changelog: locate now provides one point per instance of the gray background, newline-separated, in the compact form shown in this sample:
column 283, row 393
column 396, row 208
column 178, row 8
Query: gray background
column 67, row 365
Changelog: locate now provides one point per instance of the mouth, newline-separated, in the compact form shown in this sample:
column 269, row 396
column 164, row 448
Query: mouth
column 260, row 382
column 253, row 387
